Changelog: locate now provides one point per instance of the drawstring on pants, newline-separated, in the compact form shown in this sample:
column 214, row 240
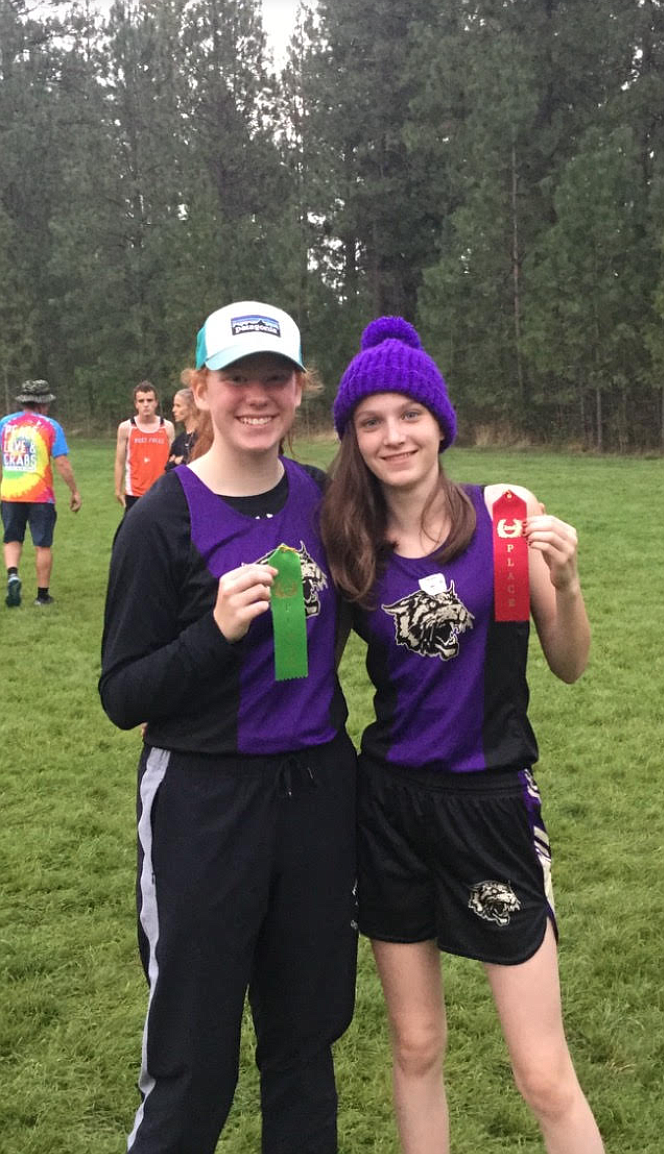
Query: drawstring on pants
column 287, row 768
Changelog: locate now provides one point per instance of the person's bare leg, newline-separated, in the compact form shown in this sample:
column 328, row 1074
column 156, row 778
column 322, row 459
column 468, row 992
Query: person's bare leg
column 412, row 985
column 527, row 997
column 13, row 550
column 44, row 564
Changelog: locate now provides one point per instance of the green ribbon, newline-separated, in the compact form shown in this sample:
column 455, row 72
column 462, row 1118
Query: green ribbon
column 289, row 618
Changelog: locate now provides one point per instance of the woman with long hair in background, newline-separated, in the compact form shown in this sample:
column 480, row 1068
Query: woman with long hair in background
column 185, row 413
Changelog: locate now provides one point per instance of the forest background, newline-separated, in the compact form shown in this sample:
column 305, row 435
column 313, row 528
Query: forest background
column 491, row 169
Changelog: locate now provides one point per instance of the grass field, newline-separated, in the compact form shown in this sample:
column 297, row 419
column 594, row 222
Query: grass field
column 72, row 992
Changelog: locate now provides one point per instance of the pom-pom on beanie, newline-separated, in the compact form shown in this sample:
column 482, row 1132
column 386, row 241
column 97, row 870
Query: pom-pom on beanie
column 391, row 360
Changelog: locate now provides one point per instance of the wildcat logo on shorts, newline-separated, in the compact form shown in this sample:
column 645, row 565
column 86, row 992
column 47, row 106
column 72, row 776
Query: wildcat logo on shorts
column 313, row 579
column 494, row 901
column 429, row 624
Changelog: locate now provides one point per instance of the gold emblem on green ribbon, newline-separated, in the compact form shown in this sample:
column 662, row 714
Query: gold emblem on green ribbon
column 289, row 618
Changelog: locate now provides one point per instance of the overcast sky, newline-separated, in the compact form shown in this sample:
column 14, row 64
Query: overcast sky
column 279, row 21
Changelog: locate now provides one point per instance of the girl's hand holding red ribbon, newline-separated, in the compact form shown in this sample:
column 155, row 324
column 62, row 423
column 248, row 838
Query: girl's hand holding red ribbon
column 558, row 543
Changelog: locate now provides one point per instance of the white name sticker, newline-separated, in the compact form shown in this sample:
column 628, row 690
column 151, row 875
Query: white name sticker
column 434, row 585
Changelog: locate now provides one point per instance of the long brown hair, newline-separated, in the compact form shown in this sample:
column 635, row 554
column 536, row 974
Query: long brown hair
column 309, row 379
column 354, row 522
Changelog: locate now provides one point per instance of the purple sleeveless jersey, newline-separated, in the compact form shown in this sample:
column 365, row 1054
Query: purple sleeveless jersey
column 451, row 691
column 271, row 715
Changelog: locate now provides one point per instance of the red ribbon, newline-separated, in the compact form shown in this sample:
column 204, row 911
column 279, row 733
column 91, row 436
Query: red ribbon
column 511, row 594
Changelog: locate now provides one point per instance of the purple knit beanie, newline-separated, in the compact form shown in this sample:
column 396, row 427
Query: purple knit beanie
column 391, row 360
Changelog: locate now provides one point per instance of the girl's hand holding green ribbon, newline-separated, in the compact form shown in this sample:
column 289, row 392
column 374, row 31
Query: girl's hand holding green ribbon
column 242, row 595
column 289, row 618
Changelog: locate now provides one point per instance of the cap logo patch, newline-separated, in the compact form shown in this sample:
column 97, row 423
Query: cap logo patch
column 255, row 324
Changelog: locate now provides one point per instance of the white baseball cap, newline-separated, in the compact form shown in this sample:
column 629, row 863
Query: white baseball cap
column 247, row 327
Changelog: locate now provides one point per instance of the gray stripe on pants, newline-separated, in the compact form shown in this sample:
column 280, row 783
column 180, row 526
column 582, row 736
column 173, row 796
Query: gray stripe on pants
column 155, row 771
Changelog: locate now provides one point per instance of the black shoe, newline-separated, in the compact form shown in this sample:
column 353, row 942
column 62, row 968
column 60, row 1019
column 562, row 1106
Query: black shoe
column 47, row 600
column 13, row 597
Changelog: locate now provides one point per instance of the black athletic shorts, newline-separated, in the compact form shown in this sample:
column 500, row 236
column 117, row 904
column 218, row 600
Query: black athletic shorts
column 462, row 859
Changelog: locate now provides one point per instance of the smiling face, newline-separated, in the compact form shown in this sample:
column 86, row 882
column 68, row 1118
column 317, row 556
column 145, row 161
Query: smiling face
column 398, row 439
column 252, row 402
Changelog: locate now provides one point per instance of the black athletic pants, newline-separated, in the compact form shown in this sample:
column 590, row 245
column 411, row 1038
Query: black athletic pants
column 246, row 880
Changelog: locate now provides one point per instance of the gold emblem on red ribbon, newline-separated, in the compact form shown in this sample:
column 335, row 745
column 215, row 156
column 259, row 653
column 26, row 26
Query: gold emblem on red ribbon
column 511, row 593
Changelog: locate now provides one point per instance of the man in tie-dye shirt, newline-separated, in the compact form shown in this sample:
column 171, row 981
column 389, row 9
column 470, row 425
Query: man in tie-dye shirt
column 29, row 441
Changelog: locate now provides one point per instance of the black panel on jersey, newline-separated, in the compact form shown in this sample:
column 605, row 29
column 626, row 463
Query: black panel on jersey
column 507, row 735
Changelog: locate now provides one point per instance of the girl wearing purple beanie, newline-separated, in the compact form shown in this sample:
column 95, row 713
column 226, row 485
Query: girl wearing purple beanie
column 453, row 851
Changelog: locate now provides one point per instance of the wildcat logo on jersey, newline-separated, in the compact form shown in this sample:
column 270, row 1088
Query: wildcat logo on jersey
column 429, row 624
column 494, row 901
column 313, row 579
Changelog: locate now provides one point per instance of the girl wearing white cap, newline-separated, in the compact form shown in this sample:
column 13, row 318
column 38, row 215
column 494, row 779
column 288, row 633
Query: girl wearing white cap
column 453, row 854
column 246, row 782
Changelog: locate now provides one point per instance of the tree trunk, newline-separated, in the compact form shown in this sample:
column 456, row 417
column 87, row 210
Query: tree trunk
column 516, row 284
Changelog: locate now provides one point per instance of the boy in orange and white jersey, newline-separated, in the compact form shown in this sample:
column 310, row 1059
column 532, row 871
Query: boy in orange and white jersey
column 142, row 447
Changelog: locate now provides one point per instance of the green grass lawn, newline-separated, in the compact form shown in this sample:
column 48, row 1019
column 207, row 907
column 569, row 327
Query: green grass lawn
column 72, row 991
